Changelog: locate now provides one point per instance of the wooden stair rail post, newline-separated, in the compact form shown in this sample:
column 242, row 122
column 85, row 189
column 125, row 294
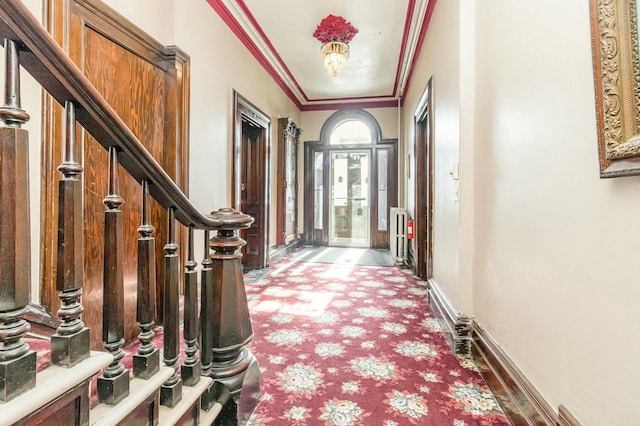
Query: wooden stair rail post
column 206, row 319
column 191, row 368
column 70, row 343
column 171, row 391
column 146, row 362
column 113, row 384
column 17, row 361
column 233, row 365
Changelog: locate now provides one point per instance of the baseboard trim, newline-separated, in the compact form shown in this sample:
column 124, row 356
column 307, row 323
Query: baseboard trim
column 522, row 403
column 519, row 399
column 456, row 327
column 278, row 252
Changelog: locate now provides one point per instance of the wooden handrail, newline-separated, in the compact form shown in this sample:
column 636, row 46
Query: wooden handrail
column 225, row 323
column 47, row 62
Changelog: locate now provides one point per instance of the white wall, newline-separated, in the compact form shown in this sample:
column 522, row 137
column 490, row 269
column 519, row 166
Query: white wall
column 440, row 61
column 312, row 122
column 556, row 250
column 219, row 64
column 155, row 17
column 547, row 251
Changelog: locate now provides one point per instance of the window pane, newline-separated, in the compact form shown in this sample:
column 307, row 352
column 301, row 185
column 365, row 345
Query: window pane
column 383, row 161
column 317, row 180
column 351, row 132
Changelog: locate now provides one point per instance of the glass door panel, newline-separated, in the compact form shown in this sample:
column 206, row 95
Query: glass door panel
column 349, row 215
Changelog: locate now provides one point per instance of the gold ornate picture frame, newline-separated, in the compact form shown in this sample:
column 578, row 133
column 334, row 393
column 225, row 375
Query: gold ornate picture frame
column 616, row 69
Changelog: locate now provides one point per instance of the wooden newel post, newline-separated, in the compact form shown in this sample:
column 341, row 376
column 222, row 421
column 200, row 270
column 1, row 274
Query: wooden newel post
column 233, row 368
column 17, row 361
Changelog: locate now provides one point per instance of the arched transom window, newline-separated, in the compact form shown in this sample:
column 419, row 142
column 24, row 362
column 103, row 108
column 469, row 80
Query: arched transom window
column 351, row 132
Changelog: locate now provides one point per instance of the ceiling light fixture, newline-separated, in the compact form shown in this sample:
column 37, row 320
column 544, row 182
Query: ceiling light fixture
column 335, row 33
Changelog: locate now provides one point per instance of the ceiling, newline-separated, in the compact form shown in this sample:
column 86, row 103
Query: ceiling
column 279, row 34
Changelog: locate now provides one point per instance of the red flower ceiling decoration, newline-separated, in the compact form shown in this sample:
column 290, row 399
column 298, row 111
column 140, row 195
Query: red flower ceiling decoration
column 335, row 28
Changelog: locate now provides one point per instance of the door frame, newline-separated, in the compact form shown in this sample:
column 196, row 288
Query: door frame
column 245, row 111
column 378, row 239
column 424, row 154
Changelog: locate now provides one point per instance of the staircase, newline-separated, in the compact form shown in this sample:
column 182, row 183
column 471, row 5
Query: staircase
column 218, row 381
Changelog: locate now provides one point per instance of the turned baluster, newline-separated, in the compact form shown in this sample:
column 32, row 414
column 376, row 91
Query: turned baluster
column 191, row 368
column 233, row 365
column 17, row 361
column 70, row 344
column 113, row 384
column 206, row 319
column 146, row 362
column 171, row 391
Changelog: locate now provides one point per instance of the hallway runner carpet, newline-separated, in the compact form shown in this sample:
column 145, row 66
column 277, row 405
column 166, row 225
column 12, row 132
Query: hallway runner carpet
column 358, row 345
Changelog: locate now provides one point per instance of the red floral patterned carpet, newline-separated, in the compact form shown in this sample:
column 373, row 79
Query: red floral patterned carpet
column 358, row 345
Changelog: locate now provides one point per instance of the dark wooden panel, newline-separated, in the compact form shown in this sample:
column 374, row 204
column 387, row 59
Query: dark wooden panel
column 132, row 86
column 146, row 413
column 147, row 85
column 253, row 244
column 252, row 151
column 71, row 408
column 191, row 416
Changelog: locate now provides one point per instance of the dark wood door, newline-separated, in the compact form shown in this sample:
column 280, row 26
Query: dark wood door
column 424, row 187
column 250, row 180
column 252, row 194
column 144, row 82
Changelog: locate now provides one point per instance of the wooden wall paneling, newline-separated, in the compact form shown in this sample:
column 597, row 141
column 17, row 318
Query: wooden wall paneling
column 71, row 408
column 55, row 20
column 176, row 131
column 147, row 86
column 131, row 86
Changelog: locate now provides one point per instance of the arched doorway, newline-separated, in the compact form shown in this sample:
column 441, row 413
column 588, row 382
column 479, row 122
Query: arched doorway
column 350, row 182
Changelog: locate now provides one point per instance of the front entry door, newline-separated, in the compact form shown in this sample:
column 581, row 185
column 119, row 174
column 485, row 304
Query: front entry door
column 349, row 206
